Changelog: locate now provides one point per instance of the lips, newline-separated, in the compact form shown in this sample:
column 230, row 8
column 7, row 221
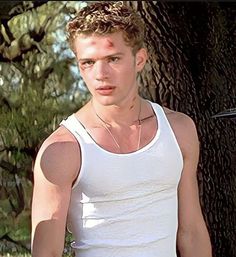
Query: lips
column 105, row 90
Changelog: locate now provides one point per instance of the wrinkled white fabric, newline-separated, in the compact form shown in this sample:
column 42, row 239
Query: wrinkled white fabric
column 125, row 205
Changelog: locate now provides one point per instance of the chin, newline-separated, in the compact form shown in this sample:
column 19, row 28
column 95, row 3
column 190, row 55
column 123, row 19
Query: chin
column 107, row 101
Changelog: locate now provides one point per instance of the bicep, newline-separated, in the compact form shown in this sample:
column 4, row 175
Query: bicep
column 192, row 238
column 188, row 195
column 53, row 176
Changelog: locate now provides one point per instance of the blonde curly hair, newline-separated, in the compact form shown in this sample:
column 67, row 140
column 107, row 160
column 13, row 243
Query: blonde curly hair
column 107, row 17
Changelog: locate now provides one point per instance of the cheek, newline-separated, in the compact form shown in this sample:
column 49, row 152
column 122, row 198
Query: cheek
column 87, row 79
column 127, row 78
column 130, row 72
column 85, row 74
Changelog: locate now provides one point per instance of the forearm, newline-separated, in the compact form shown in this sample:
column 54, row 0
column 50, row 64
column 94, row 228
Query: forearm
column 48, row 239
column 194, row 244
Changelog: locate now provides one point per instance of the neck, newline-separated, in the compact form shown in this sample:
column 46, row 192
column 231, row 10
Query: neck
column 114, row 115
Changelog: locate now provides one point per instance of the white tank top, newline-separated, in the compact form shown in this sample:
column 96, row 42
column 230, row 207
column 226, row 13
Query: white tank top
column 125, row 205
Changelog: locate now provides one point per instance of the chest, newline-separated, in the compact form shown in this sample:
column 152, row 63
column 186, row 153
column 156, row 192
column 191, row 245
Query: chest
column 124, row 139
column 156, row 165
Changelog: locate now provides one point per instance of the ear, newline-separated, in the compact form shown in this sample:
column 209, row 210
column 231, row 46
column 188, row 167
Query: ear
column 141, row 58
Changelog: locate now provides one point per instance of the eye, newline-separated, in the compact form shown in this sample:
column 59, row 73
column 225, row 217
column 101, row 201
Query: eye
column 86, row 64
column 113, row 59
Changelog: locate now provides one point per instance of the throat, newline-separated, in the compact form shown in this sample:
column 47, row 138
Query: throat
column 122, row 138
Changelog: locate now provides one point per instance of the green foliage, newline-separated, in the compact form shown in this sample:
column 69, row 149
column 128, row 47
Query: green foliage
column 39, row 86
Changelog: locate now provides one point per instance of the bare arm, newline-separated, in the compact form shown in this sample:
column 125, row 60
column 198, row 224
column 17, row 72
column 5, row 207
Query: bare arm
column 192, row 238
column 55, row 169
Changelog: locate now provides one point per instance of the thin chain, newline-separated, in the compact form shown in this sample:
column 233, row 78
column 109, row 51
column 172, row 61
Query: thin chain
column 106, row 124
column 108, row 130
column 140, row 131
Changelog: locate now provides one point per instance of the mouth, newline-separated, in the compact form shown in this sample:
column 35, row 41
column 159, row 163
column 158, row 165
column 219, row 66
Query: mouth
column 105, row 90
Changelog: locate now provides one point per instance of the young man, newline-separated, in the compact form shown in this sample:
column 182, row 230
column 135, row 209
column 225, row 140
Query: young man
column 120, row 172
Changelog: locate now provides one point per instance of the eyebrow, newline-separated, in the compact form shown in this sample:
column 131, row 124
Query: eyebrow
column 105, row 57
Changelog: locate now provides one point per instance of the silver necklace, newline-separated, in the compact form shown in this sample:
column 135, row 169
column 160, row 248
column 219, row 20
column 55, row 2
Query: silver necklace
column 106, row 125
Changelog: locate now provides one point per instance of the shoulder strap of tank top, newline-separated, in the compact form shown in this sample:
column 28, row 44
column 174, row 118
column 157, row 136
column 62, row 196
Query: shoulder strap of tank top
column 159, row 112
column 76, row 128
column 161, row 115
column 164, row 123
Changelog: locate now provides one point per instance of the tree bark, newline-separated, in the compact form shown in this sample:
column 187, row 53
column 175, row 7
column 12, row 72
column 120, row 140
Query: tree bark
column 192, row 69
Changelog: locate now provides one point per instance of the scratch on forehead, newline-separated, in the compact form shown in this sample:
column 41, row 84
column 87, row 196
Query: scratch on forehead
column 109, row 42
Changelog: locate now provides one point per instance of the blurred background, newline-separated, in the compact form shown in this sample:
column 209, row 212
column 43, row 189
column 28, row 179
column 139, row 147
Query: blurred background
column 39, row 86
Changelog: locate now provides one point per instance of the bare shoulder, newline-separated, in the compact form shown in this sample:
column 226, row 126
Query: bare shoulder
column 184, row 129
column 58, row 159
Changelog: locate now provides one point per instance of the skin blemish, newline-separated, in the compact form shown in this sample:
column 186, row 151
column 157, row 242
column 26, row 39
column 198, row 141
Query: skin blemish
column 93, row 42
column 132, row 106
column 110, row 43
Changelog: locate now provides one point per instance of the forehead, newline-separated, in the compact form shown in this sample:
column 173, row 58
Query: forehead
column 90, row 44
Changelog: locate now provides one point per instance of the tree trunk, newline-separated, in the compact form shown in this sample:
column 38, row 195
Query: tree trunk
column 192, row 69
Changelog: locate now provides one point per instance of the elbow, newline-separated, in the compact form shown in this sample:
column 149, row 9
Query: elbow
column 47, row 241
column 46, row 253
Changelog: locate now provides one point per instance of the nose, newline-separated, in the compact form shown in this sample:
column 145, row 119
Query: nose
column 101, row 70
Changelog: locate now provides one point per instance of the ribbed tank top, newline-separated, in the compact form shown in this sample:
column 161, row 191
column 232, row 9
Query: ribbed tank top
column 126, row 205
